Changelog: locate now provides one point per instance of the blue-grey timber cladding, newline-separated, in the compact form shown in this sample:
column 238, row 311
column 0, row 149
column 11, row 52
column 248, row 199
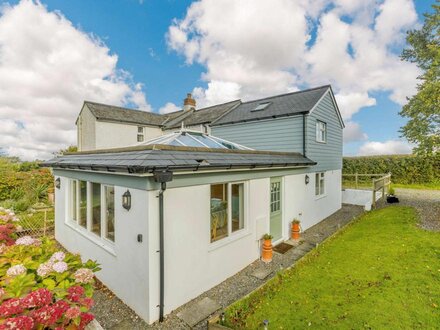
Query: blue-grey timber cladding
column 286, row 134
column 328, row 155
column 279, row 134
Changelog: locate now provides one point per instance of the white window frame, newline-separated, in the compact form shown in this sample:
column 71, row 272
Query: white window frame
column 100, row 240
column 232, row 236
column 320, row 182
column 140, row 134
column 321, row 131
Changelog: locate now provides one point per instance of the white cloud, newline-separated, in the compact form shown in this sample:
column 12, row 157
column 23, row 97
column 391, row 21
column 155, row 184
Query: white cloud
column 47, row 68
column 260, row 47
column 389, row 147
column 353, row 132
column 169, row 107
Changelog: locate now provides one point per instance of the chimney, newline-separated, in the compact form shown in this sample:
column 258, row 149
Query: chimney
column 189, row 103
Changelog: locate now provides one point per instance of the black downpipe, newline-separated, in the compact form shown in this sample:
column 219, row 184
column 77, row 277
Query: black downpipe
column 161, row 252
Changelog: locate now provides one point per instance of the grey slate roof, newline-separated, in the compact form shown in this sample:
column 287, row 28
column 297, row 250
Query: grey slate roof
column 147, row 159
column 280, row 105
column 119, row 114
column 220, row 114
column 203, row 116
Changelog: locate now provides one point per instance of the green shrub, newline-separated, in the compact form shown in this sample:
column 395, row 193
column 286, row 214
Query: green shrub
column 21, row 205
column 405, row 169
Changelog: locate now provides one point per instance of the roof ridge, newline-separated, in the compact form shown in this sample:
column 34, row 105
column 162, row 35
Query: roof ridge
column 289, row 93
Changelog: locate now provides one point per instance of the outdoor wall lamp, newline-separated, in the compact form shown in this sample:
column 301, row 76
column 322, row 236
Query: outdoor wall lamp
column 126, row 200
column 58, row 183
column 307, row 179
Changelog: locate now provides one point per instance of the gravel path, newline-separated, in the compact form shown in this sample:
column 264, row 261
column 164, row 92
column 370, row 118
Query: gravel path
column 112, row 313
column 426, row 202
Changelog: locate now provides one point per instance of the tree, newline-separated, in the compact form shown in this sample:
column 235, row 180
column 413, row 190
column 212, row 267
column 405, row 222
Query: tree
column 69, row 149
column 423, row 109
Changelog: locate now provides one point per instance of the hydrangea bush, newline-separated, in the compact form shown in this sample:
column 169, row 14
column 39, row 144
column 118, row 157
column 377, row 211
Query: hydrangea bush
column 41, row 287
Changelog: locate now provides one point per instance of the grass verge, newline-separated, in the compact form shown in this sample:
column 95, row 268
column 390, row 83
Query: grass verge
column 380, row 272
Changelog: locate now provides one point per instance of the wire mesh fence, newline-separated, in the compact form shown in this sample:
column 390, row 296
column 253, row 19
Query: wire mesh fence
column 37, row 222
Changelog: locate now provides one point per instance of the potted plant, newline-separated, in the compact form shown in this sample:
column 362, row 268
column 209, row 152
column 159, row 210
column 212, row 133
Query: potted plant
column 296, row 228
column 391, row 197
column 267, row 248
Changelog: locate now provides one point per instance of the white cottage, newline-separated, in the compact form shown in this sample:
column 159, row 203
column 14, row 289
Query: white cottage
column 173, row 217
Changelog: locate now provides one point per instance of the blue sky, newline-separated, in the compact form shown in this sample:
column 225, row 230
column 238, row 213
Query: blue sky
column 136, row 31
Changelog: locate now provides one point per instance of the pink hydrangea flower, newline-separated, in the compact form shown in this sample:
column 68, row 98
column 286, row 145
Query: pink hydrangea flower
column 37, row 298
column 74, row 293
column 60, row 267
column 16, row 270
column 44, row 269
column 25, row 240
column 57, row 256
column 87, row 302
column 73, row 312
column 86, row 318
column 20, row 323
column 83, row 275
column 10, row 307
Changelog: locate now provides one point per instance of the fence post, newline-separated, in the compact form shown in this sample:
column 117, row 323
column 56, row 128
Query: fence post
column 356, row 180
column 45, row 223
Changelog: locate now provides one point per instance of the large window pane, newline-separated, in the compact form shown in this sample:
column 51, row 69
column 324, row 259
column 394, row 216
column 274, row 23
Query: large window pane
column 83, row 204
column 317, row 184
column 322, row 184
column 73, row 202
column 219, row 211
column 109, row 212
column 237, row 206
column 96, row 208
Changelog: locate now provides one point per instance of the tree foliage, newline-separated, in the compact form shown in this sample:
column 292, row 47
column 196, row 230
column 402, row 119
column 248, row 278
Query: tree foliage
column 423, row 109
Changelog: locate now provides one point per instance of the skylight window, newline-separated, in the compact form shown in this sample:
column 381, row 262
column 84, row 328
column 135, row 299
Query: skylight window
column 261, row 106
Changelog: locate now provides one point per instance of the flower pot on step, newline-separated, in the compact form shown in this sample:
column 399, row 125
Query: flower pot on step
column 267, row 250
column 296, row 228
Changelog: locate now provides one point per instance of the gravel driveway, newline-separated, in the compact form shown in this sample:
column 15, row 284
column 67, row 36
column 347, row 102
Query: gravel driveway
column 426, row 202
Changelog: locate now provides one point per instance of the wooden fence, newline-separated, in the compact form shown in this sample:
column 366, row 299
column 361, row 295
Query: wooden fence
column 373, row 182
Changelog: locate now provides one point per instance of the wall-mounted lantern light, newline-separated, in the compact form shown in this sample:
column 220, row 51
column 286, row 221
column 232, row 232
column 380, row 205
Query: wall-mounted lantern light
column 126, row 200
column 307, row 180
column 58, row 183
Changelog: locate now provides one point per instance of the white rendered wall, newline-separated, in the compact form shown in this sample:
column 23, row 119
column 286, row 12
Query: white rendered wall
column 125, row 269
column 301, row 202
column 192, row 264
column 115, row 135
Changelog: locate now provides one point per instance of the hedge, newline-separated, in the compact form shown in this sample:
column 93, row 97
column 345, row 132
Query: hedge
column 405, row 169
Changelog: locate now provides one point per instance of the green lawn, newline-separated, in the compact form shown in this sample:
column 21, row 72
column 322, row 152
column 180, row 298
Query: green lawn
column 380, row 272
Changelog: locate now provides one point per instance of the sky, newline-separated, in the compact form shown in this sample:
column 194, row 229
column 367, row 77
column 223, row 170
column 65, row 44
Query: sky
column 147, row 54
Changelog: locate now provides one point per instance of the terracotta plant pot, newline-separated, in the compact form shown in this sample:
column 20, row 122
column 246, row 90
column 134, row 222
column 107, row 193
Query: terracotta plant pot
column 267, row 250
column 295, row 230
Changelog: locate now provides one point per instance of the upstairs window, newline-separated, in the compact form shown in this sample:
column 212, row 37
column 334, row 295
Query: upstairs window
column 140, row 134
column 321, row 131
column 261, row 106
column 319, row 184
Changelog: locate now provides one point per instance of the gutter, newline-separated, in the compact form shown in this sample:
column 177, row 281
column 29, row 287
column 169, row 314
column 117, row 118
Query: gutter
column 162, row 178
column 304, row 135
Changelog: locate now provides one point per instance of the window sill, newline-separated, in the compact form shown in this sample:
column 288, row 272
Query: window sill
column 322, row 142
column 228, row 240
column 105, row 245
column 320, row 197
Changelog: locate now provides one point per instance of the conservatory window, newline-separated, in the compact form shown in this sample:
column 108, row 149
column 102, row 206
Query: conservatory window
column 227, row 209
column 321, row 131
column 319, row 184
column 96, row 208
column 82, row 221
column 92, row 207
column 109, row 212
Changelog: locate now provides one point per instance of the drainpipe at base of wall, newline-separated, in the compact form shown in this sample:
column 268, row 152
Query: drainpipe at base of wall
column 162, row 178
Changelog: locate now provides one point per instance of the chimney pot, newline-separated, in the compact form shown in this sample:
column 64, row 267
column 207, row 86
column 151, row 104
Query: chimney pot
column 189, row 103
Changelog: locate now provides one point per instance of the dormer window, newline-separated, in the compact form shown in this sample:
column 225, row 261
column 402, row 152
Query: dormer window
column 261, row 106
column 140, row 135
column 321, row 131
